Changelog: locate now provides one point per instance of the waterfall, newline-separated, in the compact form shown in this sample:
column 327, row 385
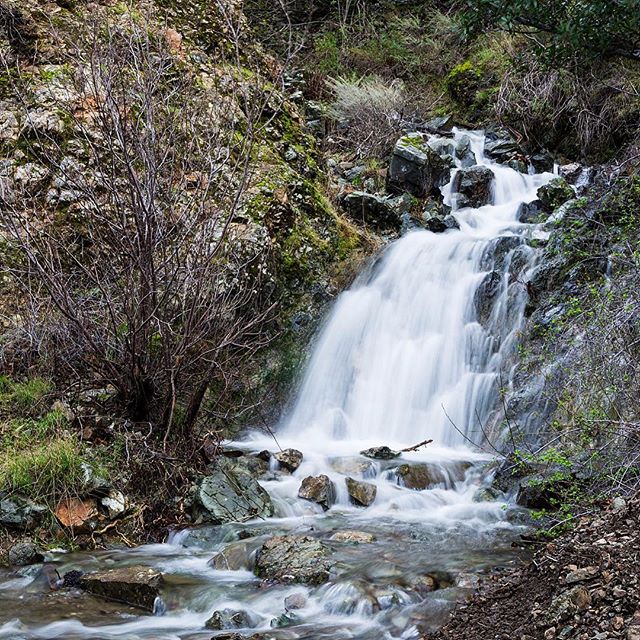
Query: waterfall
column 403, row 356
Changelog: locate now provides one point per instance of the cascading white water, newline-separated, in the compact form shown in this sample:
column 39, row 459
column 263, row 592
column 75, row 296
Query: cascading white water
column 407, row 354
column 403, row 357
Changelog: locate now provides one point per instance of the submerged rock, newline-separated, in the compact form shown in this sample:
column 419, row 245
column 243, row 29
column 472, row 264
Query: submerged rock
column 234, row 557
column 418, row 476
column 228, row 619
column 294, row 559
column 416, row 168
column 356, row 537
column 137, row 586
column 230, row 494
column 555, row 193
column 487, row 494
column 289, row 459
column 381, row 453
column 472, row 187
column 486, row 294
column 352, row 466
column 361, row 493
column 318, row 489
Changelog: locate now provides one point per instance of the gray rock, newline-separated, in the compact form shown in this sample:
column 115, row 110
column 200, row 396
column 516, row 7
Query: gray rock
column 228, row 619
column 416, row 168
column 361, row 493
column 17, row 512
column 531, row 212
column 486, row 294
column 378, row 211
column 294, row 559
column 234, row 557
column 24, row 554
column 439, row 125
column 498, row 251
column 137, row 586
column 284, row 620
column 571, row 172
column 443, row 147
column 464, row 153
column 318, row 489
column 253, row 465
column 289, row 459
column 381, row 453
column 43, row 122
column 503, row 150
column 230, row 495
column 295, row 602
column 541, row 162
column 9, row 126
column 30, row 174
column 555, row 193
column 540, row 492
column 472, row 187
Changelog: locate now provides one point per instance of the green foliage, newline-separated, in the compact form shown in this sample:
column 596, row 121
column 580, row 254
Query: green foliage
column 589, row 28
column 24, row 397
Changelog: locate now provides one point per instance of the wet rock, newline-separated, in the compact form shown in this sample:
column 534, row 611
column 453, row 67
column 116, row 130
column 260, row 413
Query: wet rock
column 444, row 148
column 416, row 168
column 294, row 559
column 289, row 459
column 439, row 223
column 254, row 465
column 361, row 493
column 284, row 620
column 571, row 172
column 497, row 253
column 352, row 466
column 137, row 586
column 472, row 187
column 425, row 584
column 24, row 554
column 295, row 601
column 381, row 453
column 17, row 512
column 541, row 162
column 487, row 494
column 486, row 294
column 374, row 210
column 418, row 476
column 531, row 212
column 467, row 581
column 356, row 537
column 464, row 153
column 234, row 557
column 502, row 150
column 440, row 125
column 228, row 619
column 555, row 193
column 230, row 495
column 540, row 492
column 318, row 489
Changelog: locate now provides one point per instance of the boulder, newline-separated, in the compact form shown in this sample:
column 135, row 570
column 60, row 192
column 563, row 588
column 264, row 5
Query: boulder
column 228, row 619
column 418, row 476
column 356, row 537
column 571, row 172
column 502, row 150
column 18, row 512
column 440, row 125
column 115, row 503
column 289, row 459
column 530, row 212
column 362, row 494
column 234, row 557
column 318, row 489
column 541, row 491
column 496, row 254
column 485, row 295
column 416, row 168
column 374, row 210
column 24, row 554
column 438, row 223
column 295, row 601
column 541, row 162
column 464, row 153
column 381, row 453
column 230, row 495
column 294, row 559
column 555, row 193
column 137, row 586
column 472, row 187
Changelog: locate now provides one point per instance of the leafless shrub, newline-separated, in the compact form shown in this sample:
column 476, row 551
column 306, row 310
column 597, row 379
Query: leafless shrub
column 135, row 270
column 369, row 113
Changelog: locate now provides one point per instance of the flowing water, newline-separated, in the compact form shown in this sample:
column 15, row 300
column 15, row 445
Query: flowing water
column 409, row 353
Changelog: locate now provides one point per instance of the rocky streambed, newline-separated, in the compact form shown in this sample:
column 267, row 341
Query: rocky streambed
column 323, row 565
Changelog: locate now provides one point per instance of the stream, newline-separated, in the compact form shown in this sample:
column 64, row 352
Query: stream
column 402, row 358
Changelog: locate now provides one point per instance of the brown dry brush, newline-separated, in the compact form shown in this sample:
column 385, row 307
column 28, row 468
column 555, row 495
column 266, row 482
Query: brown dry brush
column 144, row 282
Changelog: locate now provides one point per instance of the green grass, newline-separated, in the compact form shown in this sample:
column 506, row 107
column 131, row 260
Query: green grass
column 23, row 398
